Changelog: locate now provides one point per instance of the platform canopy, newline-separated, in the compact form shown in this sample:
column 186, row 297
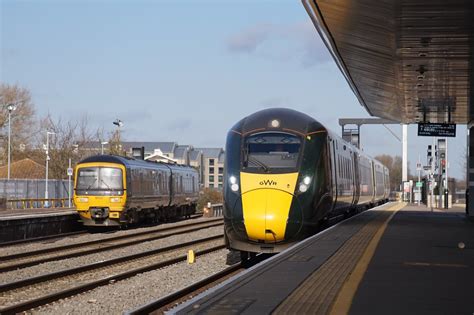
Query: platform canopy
column 406, row 60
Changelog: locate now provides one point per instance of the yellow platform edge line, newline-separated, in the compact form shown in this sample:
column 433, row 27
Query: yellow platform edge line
column 345, row 296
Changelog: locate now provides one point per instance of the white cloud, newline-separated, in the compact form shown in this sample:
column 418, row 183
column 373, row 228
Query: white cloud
column 281, row 42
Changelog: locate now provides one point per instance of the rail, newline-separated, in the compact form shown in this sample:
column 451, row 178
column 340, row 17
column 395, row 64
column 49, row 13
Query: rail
column 36, row 203
column 213, row 210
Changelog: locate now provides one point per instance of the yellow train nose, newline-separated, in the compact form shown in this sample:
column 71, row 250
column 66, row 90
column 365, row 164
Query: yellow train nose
column 266, row 213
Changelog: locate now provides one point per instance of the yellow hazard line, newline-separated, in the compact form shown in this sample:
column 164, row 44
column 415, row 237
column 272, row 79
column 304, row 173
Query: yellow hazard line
column 344, row 299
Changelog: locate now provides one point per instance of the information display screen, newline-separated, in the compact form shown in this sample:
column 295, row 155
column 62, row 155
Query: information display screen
column 436, row 130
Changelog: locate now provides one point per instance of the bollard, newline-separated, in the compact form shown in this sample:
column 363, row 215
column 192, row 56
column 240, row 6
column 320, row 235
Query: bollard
column 191, row 257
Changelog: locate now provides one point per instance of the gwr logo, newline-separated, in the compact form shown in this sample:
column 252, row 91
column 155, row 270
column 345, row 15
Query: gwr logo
column 268, row 182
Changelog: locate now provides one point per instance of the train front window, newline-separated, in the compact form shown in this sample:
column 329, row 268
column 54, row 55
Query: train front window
column 271, row 152
column 99, row 179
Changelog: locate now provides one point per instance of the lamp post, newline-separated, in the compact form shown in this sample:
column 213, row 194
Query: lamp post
column 119, row 124
column 10, row 108
column 47, row 165
column 102, row 143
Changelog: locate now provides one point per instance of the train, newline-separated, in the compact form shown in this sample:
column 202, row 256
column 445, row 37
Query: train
column 286, row 175
column 112, row 190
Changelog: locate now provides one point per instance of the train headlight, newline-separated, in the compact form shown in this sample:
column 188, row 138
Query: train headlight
column 304, row 184
column 233, row 183
column 115, row 199
column 83, row 199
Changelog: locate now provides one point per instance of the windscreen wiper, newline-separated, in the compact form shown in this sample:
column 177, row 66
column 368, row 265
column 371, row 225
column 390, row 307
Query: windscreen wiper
column 259, row 163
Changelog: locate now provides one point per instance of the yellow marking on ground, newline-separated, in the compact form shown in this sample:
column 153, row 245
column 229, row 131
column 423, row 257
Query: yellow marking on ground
column 344, row 299
column 425, row 264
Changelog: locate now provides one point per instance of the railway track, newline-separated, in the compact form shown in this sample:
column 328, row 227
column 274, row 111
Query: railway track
column 62, row 235
column 163, row 304
column 26, row 259
column 18, row 295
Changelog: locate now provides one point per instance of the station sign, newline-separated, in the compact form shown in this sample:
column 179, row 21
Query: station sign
column 69, row 171
column 419, row 184
column 436, row 130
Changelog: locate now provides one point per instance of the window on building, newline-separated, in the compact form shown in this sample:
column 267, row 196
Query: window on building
column 220, row 178
column 211, row 178
column 211, row 161
column 211, row 170
column 221, row 170
column 211, row 185
column 220, row 185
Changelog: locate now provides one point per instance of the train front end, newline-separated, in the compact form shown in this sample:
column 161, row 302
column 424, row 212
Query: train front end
column 270, row 181
column 99, row 193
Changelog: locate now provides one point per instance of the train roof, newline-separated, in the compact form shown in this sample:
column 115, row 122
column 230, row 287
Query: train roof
column 128, row 161
column 289, row 121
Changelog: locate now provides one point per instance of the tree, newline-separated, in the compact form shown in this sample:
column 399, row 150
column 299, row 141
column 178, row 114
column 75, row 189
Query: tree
column 66, row 143
column 23, row 125
column 394, row 165
column 208, row 195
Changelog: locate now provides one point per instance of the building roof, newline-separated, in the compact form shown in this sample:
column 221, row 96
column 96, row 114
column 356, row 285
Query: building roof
column 194, row 155
column 180, row 151
column 221, row 157
column 24, row 169
column 210, row 153
column 165, row 147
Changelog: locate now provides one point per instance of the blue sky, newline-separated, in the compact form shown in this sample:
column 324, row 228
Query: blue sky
column 183, row 71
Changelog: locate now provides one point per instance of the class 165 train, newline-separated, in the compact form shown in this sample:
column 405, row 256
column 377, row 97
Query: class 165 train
column 286, row 174
column 113, row 190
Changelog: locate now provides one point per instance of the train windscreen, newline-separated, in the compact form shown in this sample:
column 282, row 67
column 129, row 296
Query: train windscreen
column 99, row 179
column 271, row 152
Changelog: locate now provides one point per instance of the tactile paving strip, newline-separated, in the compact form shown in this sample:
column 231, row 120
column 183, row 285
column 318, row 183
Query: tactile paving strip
column 318, row 292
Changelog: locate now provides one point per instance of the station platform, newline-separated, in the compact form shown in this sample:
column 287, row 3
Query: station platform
column 393, row 259
column 24, row 224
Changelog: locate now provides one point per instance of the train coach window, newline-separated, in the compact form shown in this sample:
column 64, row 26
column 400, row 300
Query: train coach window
column 271, row 151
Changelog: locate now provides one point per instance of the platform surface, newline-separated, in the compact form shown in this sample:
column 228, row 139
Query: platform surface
column 395, row 259
column 36, row 212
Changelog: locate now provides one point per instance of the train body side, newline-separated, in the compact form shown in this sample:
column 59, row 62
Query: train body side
column 149, row 190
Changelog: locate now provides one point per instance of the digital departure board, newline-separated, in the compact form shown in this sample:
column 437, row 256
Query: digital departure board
column 436, row 130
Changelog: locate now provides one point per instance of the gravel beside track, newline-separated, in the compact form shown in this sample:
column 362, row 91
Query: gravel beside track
column 38, row 290
column 21, row 248
column 128, row 294
column 53, row 266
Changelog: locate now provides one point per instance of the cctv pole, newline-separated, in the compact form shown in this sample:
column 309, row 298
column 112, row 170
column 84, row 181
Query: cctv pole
column 69, row 185
column 9, row 140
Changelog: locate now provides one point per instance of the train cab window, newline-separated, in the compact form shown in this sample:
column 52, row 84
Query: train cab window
column 271, row 152
column 105, row 179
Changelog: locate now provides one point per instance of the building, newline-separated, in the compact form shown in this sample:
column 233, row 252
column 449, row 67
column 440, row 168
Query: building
column 24, row 169
column 213, row 167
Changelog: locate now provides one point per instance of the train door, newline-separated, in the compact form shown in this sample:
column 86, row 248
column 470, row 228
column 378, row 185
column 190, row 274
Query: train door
column 374, row 183
column 332, row 154
column 355, row 177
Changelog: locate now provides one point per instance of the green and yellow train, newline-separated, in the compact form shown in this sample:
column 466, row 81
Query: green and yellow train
column 286, row 174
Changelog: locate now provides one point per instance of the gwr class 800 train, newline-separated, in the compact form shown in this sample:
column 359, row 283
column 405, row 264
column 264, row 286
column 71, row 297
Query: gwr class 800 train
column 285, row 174
column 115, row 191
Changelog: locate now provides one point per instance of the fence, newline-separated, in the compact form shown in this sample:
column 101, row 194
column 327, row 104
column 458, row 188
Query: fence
column 213, row 210
column 21, row 189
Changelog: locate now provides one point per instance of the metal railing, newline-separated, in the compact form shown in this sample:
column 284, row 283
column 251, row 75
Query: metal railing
column 34, row 203
column 213, row 210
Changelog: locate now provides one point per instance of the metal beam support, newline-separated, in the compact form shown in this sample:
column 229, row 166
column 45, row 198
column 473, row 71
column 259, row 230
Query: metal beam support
column 405, row 152
column 470, row 173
